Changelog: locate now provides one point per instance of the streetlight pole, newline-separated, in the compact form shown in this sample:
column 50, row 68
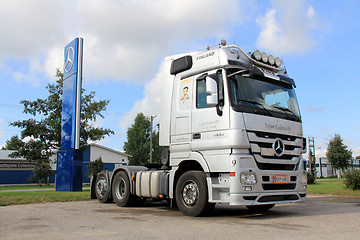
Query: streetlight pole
column 151, row 131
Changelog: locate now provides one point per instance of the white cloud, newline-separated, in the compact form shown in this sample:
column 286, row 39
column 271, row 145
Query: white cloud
column 123, row 40
column 150, row 105
column 356, row 151
column 132, row 36
column 29, row 27
column 287, row 27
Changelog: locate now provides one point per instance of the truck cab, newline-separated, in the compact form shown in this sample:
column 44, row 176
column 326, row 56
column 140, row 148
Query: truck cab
column 233, row 129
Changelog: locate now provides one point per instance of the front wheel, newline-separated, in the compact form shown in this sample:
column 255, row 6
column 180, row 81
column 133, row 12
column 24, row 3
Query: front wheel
column 192, row 194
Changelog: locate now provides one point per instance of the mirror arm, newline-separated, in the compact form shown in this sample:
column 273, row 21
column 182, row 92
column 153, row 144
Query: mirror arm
column 220, row 107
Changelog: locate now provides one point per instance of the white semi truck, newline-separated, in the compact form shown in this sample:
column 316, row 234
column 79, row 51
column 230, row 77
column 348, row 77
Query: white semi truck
column 233, row 131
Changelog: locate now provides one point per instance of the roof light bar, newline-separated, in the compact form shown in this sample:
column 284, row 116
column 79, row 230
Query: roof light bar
column 267, row 59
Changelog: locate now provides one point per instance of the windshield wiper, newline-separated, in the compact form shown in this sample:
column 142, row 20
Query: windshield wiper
column 257, row 104
column 286, row 110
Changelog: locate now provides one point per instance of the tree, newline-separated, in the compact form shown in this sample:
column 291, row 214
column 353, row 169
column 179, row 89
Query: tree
column 45, row 131
column 138, row 141
column 311, row 175
column 15, row 143
column 337, row 154
column 95, row 167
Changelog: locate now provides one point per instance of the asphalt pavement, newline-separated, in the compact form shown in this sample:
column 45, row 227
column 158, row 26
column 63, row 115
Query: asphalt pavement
column 320, row 217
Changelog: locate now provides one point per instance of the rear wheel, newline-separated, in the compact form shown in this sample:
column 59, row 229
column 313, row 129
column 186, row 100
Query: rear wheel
column 192, row 194
column 102, row 188
column 260, row 208
column 121, row 191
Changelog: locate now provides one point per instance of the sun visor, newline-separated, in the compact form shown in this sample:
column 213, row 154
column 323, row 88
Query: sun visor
column 287, row 80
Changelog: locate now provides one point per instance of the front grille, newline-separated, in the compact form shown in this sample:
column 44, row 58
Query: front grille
column 261, row 145
column 280, row 167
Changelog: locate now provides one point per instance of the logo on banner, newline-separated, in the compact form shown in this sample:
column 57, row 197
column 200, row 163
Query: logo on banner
column 69, row 59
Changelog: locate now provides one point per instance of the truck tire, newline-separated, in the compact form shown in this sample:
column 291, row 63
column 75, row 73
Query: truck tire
column 102, row 188
column 121, row 191
column 260, row 208
column 192, row 194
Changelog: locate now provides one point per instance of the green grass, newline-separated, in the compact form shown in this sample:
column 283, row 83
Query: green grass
column 332, row 186
column 20, row 187
column 13, row 198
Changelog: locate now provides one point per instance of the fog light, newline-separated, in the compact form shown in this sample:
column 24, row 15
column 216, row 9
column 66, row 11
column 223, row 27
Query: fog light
column 248, row 178
column 247, row 188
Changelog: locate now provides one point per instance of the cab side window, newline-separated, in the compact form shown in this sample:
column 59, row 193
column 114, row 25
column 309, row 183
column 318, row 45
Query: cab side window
column 201, row 93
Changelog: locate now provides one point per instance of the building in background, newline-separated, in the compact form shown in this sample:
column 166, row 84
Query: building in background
column 14, row 170
column 109, row 156
column 18, row 170
column 324, row 169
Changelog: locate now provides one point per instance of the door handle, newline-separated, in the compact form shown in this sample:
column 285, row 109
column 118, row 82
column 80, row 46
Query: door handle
column 196, row 136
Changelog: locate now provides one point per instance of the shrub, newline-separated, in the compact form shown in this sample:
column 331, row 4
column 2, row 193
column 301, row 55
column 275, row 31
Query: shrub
column 352, row 179
column 95, row 167
column 311, row 178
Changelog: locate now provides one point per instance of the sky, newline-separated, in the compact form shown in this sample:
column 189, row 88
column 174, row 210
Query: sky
column 125, row 42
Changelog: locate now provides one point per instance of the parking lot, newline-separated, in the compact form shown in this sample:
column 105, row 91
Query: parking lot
column 317, row 218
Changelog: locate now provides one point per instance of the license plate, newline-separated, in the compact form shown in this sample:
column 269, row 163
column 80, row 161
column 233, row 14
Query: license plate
column 281, row 178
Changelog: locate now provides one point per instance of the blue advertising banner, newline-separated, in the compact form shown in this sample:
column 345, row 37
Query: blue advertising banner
column 69, row 158
column 70, row 122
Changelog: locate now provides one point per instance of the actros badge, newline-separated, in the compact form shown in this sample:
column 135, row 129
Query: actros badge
column 69, row 59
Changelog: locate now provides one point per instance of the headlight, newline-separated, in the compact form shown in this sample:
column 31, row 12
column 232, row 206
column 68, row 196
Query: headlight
column 248, row 178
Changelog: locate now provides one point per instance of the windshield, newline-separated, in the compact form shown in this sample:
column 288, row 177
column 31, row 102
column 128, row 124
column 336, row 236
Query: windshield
column 262, row 96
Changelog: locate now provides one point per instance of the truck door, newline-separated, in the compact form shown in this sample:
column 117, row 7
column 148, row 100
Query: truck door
column 181, row 118
column 209, row 124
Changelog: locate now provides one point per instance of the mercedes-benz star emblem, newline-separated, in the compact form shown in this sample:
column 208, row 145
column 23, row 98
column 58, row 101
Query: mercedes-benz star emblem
column 69, row 59
column 278, row 147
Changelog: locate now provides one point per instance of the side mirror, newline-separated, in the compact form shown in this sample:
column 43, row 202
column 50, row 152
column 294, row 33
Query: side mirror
column 211, row 88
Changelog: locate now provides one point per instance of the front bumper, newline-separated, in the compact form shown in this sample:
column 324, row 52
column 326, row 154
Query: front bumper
column 265, row 191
